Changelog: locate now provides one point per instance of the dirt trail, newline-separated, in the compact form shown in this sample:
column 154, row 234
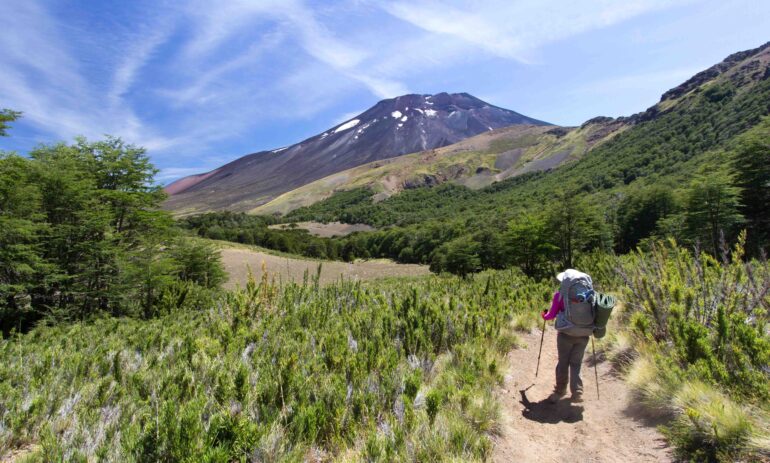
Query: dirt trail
column 594, row 431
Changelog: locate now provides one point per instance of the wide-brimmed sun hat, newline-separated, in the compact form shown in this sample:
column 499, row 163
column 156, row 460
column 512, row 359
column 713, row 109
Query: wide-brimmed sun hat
column 573, row 273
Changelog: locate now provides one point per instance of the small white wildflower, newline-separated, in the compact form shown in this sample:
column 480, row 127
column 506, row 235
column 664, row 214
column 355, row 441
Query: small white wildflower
column 247, row 352
column 419, row 399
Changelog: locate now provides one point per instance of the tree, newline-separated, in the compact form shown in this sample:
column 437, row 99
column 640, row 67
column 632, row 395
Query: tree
column 575, row 225
column 491, row 248
column 640, row 212
column 145, row 274
column 6, row 116
column 353, row 249
column 459, row 256
column 124, row 175
column 752, row 167
column 21, row 233
column 712, row 208
column 528, row 243
column 81, row 232
column 406, row 255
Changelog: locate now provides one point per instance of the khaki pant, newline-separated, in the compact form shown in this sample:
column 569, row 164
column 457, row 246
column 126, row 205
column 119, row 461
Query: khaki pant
column 571, row 349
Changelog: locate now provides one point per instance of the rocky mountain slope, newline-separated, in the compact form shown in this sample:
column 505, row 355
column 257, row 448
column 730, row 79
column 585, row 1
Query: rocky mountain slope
column 475, row 162
column 391, row 128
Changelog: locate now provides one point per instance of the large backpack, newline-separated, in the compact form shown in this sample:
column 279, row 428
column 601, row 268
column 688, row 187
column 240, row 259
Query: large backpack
column 577, row 293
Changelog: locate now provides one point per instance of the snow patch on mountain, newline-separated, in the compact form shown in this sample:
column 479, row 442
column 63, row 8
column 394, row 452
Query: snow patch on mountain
column 431, row 112
column 364, row 127
column 396, row 114
column 347, row 125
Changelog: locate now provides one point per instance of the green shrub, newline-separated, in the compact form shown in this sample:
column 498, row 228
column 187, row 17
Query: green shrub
column 701, row 328
column 272, row 373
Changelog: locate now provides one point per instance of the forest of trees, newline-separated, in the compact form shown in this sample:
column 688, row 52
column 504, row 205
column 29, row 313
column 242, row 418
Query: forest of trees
column 81, row 233
column 239, row 227
column 711, row 209
column 539, row 240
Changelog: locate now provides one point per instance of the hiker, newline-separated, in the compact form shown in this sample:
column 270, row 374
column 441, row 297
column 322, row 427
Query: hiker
column 572, row 307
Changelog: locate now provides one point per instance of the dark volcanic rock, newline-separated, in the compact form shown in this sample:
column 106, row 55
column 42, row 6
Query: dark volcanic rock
column 597, row 120
column 393, row 127
column 559, row 132
column 714, row 71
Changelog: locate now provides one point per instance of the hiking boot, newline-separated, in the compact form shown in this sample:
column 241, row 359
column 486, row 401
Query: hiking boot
column 576, row 398
column 553, row 398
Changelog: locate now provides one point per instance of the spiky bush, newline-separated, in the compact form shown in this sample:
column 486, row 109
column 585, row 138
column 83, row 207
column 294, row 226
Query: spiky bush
column 396, row 370
column 700, row 328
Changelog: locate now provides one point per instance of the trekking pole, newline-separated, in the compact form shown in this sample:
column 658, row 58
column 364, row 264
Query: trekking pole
column 542, row 335
column 596, row 369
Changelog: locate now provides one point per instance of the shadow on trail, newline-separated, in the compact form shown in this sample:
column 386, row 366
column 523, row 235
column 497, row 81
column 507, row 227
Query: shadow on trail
column 545, row 412
column 647, row 416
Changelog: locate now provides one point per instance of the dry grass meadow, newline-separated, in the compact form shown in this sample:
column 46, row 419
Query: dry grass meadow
column 238, row 261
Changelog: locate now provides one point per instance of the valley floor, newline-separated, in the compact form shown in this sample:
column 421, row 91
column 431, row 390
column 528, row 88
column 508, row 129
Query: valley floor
column 238, row 261
column 606, row 430
column 326, row 230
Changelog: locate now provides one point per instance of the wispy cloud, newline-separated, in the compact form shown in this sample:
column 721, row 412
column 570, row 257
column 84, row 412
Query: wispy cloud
column 50, row 85
column 218, row 26
column 184, row 79
column 135, row 58
column 201, row 90
column 50, row 69
column 516, row 29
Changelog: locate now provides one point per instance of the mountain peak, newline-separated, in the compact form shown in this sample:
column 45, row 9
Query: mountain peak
column 420, row 110
column 392, row 127
column 438, row 100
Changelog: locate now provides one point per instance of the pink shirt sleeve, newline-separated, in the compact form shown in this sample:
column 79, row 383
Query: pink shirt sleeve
column 557, row 305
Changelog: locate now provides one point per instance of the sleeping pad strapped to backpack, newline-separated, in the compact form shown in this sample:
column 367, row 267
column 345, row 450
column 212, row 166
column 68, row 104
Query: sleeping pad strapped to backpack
column 603, row 305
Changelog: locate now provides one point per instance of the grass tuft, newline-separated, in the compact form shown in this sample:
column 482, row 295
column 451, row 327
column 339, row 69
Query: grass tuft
column 709, row 425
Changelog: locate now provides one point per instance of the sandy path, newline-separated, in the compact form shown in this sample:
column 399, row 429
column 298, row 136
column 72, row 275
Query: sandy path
column 237, row 262
column 594, row 431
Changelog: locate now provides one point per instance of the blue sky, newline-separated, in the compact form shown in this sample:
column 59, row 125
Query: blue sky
column 199, row 83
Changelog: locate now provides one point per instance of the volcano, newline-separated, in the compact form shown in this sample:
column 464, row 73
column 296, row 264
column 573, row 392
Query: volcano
column 392, row 127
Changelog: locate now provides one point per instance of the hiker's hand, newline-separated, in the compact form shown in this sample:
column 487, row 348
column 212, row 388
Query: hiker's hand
column 542, row 314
